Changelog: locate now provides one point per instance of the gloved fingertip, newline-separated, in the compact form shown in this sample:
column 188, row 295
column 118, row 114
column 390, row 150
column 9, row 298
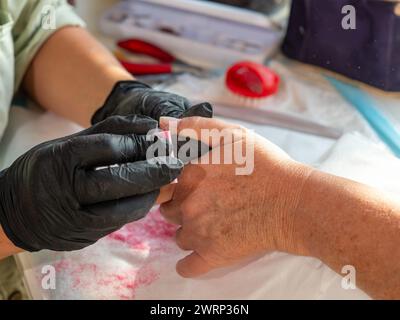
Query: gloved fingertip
column 174, row 173
column 142, row 124
column 170, row 166
column 208, row 111
column 204, row 110
column 98, row 116
column 175, row 163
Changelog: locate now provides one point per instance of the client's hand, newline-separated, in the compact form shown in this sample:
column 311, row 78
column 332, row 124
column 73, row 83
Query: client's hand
column 224, row 216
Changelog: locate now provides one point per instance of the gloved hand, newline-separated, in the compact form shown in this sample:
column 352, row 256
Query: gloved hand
column 54, row 197
column 133, row 97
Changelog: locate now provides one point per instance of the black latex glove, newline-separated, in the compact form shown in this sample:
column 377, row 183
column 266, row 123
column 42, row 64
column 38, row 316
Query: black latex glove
column 133, row 97
column 53, row 197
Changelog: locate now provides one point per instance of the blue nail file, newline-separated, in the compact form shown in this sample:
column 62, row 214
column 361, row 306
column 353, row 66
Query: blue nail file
column 389, row 134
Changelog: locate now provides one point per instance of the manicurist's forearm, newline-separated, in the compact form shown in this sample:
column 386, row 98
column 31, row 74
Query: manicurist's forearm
column 72, row 74
column 345, row 223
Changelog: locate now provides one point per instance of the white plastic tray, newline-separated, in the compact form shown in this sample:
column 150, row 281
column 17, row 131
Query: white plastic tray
column 201, row 33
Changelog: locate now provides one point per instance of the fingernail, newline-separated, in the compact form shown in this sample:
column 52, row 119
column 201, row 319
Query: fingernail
column 168, row 123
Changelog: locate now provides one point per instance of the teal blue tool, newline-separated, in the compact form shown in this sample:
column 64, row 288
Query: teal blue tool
column 365, row 105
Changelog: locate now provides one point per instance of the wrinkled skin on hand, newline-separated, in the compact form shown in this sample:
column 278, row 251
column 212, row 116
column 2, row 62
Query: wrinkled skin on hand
column 225, row 217
column 52, row 197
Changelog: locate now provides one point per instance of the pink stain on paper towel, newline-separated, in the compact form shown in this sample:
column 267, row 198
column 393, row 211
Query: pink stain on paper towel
column 151, row 237
column 148, row 234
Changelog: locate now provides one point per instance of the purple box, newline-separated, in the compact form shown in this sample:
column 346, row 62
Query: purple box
column 369, row 53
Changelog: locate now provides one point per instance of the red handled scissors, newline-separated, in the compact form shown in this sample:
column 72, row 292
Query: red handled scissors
column 167, row 63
